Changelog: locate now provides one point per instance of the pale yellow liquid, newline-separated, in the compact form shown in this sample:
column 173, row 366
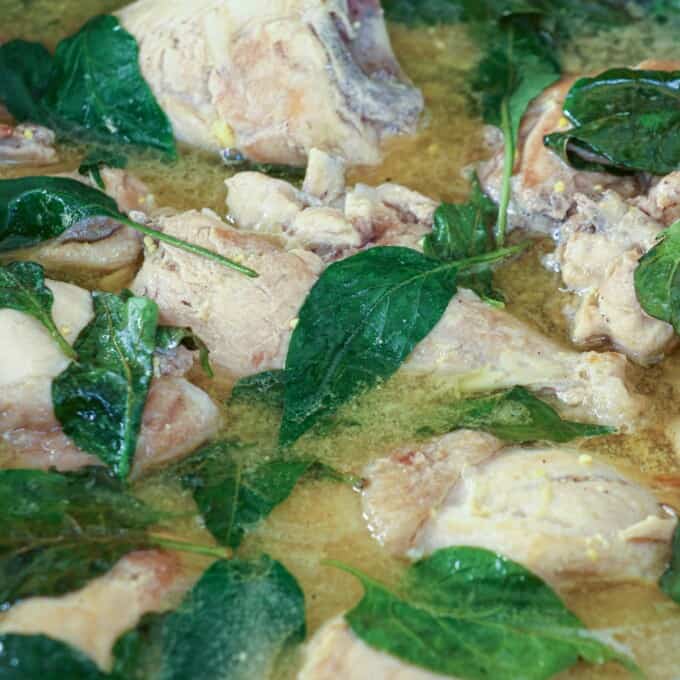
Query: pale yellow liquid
column 322, row 520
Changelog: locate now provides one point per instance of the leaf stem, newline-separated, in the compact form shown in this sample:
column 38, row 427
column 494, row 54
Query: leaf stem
column 185, row 546
column 486, row 258
column 188, row 247
column 508, row 165
column 63, row 343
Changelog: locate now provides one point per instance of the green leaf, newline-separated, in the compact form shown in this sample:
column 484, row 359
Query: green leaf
column 22, row 288
column 657, row 278
column 92, row 89
column 234, row 623
column 27, row 657
column 100, row 400
column 98, row 158
column 516, row 415
column 670, row 581
column 519, row 64
column 61, row 530
column 625, row 120
column 360, row 321
column 233, row 496
column 37, row 209
column 473, row 614
column 464, row 230
column 25, row 70
column 169, row 338
column 267, row 386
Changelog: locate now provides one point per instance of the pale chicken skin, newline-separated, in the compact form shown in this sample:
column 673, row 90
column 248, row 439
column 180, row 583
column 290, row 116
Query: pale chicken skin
column 275, row 78
column 178, row 417
column 26, row 144
column 561, row 514
column 479, row 346
column 94, row 617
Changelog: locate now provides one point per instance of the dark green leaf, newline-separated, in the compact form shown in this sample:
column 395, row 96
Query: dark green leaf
column 37, row 209
column 29, row 657
column 137, row 653
column 670, row 581
column 516, row 415
column 91, row 90
column 657, row 278
column 25, row 70
column 236, row 162
column 267, row 386
column 61, row 530
column 22, row 288
column 464, row 230
column 169, row 338
column 98, row 158
column 99, row 401
column 470, row 613
column 234, row 623
column 233, row 496
column 624, row 120
column 360, row 321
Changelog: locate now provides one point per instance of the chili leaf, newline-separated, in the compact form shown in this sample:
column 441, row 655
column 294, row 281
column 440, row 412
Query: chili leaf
column 267, row 386
column 234, row 623
column 98, row 158
column 27, row 657
column 37, row 209
column 92, row 89
column 625, row 120
column 470, row 613
column 169, row 338
column 99, row 401
column 25, row 70
column 233, row 496
column 657, row 278
column 22, row 288
column 464, row 230
column 516, row 415
column 670, row 581
column 61, row 530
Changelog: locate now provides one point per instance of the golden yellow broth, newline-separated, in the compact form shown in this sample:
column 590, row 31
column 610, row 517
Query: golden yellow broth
column 322, row 520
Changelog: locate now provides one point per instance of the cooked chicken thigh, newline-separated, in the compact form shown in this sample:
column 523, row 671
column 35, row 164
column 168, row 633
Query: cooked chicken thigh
column 274, row 78
column 92, row 618
column 26, row 145
column 178, row 416
column 336, row 652
column 560, row 514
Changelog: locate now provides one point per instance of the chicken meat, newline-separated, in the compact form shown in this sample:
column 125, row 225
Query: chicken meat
column 26, row 145
column 271, row 79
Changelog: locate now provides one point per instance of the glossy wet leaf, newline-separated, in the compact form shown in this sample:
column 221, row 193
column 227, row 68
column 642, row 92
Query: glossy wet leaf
column 169, row 338
column 62, row 530
column 234, row 622
column 28, row 657
column 472, row 614
column 465, row 230
column 670, row 581
column 234, row 496
column 657, row 278
column 624, row 120
column 91, row 90
column 99, row 401
column 516, row 415
column 23, row 289
column 267, row 387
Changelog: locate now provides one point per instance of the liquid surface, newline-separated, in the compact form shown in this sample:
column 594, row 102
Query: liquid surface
column 322, row 520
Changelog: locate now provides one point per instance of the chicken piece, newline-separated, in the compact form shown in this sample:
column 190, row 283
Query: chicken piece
column 336, row 652
column 178, row 417
column 245, row 322
column 561, row 514
column 92, row 618
column 597, row 254
column 662, row 202
column 325, row 216
column 274, row 78
column 26, row 144
column 98, row 245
